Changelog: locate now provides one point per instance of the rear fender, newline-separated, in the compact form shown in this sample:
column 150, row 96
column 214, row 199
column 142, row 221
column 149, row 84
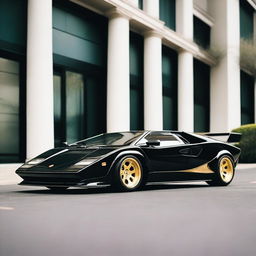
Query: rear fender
column 213, row 165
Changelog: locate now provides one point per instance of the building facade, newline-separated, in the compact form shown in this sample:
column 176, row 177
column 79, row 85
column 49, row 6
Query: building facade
column 70, row 69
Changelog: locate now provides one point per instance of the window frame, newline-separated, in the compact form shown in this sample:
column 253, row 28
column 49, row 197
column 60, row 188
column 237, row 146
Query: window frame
column 138, row 143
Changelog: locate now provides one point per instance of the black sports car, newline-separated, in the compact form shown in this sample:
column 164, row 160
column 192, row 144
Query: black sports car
column 127, row 160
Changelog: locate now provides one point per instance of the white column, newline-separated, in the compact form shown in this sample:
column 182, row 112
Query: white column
column 153, row 96
column 184, row 18
column 225, row 100
column 151, row 7
column 185, row 92
column 118, row 76
column 184, row 26
column 40, row 132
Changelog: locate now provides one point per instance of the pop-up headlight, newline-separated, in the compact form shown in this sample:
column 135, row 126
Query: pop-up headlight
column 85, row 162
column 33, row 162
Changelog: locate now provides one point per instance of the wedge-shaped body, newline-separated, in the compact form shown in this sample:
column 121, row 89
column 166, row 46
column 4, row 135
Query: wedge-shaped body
column 127, row 160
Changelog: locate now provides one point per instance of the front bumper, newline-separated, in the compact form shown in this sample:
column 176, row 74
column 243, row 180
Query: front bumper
column 56, row 179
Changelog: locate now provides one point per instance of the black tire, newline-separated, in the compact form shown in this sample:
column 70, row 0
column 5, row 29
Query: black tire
column 128, row 174
column 57, row 189
column 225, row 171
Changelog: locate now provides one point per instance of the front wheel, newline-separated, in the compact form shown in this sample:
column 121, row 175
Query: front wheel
column 128, row 174
column 225, row 172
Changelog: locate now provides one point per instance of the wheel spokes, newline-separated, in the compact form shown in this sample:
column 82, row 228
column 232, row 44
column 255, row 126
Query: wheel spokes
column 226, row 170
column 130, row 172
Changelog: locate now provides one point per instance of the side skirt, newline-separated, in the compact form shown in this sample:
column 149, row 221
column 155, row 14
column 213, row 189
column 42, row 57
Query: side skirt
column 178, row 176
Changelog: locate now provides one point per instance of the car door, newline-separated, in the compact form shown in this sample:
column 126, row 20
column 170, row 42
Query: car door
column 172, row 154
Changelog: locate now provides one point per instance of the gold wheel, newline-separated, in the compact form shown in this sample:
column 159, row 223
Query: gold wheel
column 226, row 169
column 130, row 172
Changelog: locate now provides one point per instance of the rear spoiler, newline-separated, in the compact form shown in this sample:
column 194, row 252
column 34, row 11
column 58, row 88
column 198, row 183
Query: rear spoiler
column 231, row 137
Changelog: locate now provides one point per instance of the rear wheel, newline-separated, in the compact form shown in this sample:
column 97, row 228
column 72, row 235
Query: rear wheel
column 128, row 174
column 225, row 172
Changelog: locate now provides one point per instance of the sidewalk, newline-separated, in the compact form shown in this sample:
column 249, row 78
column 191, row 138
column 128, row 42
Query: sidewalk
column 246, row 166
column 8, row 176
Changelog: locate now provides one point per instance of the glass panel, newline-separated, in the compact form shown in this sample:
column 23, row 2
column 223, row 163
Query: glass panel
column 135, row 58
column 201, row 97
column 74, row 106
column 202, row 33
column 168, row 120
column 111, row 139
column 136, row 117
column 167, row 12
column 140, row 4
column 246, row 20
column 13, row 24
column 166, row 139
column 247, row 99
column 136, row 82
column 79, row 34
column 57, row 109
column 202, row 119
column 169, row 77
column 9, row 106
column 93, row 107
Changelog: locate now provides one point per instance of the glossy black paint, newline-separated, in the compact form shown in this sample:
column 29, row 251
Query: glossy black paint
column 160, row 163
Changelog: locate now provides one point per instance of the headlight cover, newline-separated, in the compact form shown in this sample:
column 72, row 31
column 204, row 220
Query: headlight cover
column 86, row 161
column 32, row 162
column 35, row 161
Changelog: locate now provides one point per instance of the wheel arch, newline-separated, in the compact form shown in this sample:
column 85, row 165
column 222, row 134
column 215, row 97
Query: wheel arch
column 213, row 164
column 135, row 153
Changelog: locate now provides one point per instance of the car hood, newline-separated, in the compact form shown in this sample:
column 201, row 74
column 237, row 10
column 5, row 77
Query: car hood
column 66, row 157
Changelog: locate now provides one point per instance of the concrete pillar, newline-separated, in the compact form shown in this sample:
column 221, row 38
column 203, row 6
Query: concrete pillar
column 151, row 7
column 184, row 26
column 40, row 132
column 185, row 92
column 153, row 97
column 118, row 75
column 225, row 105
column 184, row 18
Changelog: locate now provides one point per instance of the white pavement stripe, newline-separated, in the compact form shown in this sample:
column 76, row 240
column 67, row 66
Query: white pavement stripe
column 253, row 182
column 6, row 208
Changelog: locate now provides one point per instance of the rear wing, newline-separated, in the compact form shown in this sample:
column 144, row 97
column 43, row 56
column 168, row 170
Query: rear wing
column 231, row 137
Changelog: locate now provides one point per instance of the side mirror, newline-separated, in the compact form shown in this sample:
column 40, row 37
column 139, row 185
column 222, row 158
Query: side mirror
column 65, row 144
column 153, row 143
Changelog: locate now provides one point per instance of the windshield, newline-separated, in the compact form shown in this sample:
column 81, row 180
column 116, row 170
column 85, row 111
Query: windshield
column 111, row 139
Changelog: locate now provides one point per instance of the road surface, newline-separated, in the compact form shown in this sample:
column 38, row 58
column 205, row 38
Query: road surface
column 167, row 219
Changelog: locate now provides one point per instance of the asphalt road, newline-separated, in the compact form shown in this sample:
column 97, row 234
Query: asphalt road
column 168, row 219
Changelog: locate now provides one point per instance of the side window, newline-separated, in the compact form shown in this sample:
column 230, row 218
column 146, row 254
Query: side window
column 166, row 139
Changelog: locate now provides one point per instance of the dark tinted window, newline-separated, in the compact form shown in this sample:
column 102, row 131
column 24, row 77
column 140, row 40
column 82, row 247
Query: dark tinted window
column 202, row 33
column 112, row 139
column 166, row 139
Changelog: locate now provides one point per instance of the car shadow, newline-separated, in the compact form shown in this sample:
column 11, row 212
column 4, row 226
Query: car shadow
column 108, row 189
